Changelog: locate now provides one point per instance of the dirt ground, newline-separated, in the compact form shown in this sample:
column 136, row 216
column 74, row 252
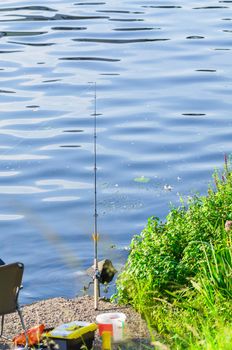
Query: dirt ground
column 54, row 312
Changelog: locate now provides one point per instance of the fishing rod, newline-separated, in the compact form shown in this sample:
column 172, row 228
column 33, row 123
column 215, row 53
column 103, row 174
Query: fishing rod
column 103, row 271
column 95, row 234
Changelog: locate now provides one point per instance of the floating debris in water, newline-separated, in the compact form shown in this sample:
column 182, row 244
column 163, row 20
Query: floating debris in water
column 168, row 188
column 142, row 179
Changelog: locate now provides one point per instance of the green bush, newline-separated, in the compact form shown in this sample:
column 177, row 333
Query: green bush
column 179, row 273
column 172, row 253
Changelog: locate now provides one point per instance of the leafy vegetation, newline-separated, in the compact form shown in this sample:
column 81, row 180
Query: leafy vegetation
column 179, row 273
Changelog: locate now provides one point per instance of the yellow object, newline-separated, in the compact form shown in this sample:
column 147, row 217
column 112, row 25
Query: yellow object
column 106, row 340
column 95, row 237
column 72, row 330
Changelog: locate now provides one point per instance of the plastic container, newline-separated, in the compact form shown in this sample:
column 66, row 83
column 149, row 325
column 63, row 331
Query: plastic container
column 114, row 323
column 72, row 335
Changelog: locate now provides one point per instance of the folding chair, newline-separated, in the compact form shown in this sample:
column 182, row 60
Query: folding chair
column 10, row 285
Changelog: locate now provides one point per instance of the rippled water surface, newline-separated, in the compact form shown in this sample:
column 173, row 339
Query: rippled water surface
column 163, row 75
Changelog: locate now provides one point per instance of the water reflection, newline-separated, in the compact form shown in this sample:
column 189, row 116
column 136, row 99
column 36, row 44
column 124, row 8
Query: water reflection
column 68, row 28
column 133, row 29
column 9, row 51
column 73, row 131
column 194, row 114
column 19, row 33
column 162, row 6
column 70, row 146
column 30, row 8
column 60, row 199
column 126, row 19
column 7, row 91
column 206, row 70
column 163, row 118
column 57, row 17
column 89, row 3
column 210, row 7
column 117, row 41
column 103, row 59
column 195, row 37
column 51, row 81
column 31, row 44
column 119, row 11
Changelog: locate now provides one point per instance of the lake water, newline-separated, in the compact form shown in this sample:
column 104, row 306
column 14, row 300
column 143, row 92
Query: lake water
column 163, row 75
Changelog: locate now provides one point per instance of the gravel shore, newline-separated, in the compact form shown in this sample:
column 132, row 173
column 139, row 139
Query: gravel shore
column 53, row 312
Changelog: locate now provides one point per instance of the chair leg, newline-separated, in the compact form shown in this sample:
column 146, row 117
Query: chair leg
column 24, row 327
column 2, row 323
column 1, row 334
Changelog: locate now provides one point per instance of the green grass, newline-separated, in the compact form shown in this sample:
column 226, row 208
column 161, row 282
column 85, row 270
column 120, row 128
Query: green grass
column 179, row 273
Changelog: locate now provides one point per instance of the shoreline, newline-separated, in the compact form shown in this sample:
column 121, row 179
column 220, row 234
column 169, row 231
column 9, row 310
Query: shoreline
column 55, row 311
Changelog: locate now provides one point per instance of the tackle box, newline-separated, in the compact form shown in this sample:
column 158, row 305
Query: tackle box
column 72, row 336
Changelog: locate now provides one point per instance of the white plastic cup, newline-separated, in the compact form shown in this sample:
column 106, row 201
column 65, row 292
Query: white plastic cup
column 113, row 322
